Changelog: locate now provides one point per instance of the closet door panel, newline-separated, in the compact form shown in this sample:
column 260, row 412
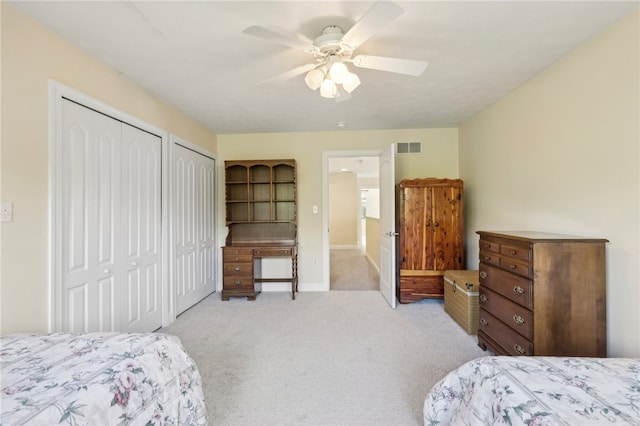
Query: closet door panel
column 89, row 180
column 141, row 195
column 194, row 237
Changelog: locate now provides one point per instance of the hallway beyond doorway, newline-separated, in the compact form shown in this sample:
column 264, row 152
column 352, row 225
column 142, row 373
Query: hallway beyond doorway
column 351, row 270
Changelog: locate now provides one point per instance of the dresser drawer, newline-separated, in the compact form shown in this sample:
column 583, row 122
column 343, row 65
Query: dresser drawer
column 510, row 313
column 237, row 269
column 272, row 252
column 510, row 341
column 519, row 252
column 490, row 257
column 491, row 246
column 511, row 286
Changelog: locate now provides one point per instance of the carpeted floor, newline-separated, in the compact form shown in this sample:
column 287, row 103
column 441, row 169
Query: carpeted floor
column 326, row 358
column 351, row 270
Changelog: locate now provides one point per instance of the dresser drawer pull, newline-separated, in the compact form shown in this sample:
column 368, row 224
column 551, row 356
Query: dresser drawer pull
column 487, row 246
column 483, row 274
column 237, row 268
column 237, row 258
column 483, row 298
column 484, row 322
column 487, row 258
column 258, row 252
column 518, row 349
column 518, row 319
column 513, row 252
column 512, row 266
column 237, row 282
column 518, row 290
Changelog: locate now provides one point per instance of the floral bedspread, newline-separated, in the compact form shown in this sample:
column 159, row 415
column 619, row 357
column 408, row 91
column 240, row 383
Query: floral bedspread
column 537, row 391
column 99, row 379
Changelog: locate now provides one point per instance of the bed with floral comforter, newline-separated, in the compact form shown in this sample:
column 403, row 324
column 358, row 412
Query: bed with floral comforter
column 537, row 391
column 99, row 379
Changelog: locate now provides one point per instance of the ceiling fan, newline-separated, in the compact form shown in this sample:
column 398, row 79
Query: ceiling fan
column 334, row 48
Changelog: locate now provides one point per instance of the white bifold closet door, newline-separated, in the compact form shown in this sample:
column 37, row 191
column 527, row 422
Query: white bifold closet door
column 194, row 227
column 110, row 244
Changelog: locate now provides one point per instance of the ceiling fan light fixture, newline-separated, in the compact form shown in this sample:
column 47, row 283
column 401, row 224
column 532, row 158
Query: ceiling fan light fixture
column 314, row 78
column 338, row 72
column 351, row 82
column 328, row 89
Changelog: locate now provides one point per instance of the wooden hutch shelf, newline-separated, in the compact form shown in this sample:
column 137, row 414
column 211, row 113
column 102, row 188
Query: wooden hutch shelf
column 262, row 222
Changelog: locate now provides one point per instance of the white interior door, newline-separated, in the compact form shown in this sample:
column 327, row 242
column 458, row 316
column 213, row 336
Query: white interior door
column 90, row 207
column 387, row 226
column 194, row 227
column 142, row 230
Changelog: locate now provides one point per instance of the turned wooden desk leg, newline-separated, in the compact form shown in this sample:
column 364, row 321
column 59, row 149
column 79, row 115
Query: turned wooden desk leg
column 294, row 276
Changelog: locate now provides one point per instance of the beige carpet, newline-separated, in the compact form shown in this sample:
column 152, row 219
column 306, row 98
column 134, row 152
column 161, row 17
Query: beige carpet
column 326, row 358
column 351, row 270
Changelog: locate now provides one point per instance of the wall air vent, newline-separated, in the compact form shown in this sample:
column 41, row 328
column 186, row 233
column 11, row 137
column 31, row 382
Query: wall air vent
column 408, row 147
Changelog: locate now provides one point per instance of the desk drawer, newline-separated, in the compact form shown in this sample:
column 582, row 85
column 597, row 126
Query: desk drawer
column 237, row 257
column 235, row 251
column 268, row 252
column 238, row 269
column 238, row 283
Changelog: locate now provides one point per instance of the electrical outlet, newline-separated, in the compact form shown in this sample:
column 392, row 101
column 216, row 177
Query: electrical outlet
column 6, row 212
column 315, row 209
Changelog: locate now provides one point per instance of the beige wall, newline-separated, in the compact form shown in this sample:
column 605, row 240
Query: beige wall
column 373, row 241
column 31, row 55
column 439, row 158
column 561, row 154
column 343, row 210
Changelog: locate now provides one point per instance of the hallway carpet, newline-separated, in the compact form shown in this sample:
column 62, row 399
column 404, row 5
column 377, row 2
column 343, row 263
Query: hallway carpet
column 351, row 270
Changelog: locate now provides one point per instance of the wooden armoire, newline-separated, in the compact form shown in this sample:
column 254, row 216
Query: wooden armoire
column 431, row 236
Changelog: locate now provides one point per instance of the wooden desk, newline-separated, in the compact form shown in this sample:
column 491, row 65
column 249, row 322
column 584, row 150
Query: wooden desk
column 241, row 278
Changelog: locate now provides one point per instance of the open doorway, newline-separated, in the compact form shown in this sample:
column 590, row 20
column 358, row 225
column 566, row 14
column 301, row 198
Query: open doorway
column 353, row 204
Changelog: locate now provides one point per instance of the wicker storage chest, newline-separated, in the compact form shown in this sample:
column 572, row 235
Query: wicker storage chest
column 461, row 298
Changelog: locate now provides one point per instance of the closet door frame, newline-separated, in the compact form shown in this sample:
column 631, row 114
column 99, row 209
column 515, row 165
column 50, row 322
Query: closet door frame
column 58, row 91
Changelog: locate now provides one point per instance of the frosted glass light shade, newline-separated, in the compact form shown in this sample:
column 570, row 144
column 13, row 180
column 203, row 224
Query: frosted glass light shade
column 314, row 78
column 328, row 89
column 350, row 83
column 338, row 72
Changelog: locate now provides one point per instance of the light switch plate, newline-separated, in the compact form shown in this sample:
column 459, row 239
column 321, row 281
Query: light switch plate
column 6, row 211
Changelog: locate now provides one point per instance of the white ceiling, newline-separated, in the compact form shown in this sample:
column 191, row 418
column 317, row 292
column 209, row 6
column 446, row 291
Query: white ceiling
column 194, row 56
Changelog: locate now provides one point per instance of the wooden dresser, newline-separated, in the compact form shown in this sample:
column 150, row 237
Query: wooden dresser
column 261, row 217
column 542, row 294
column 430, row 227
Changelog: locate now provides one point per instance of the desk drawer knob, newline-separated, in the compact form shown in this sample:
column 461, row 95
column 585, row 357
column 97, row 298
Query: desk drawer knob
column 512, row 252
column 237, row 282
column 483, row 298
column 483, row 274
column 257, row 251
column 237, row 268
column 519, row 349
column 518, row 319
column 512, row 266
column 484, row 322
column 518, row 290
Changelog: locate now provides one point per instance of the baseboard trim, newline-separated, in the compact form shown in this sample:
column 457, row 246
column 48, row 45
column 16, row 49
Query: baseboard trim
column 344, row 247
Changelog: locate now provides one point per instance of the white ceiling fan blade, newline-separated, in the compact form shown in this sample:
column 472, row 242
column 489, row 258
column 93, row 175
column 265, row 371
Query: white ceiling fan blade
column 380, row 14
column 288, row 75
column 278, row 36
column 382, row 63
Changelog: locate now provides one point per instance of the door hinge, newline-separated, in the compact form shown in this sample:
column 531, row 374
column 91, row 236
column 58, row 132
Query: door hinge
column 404, row 197
column 459, row 196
